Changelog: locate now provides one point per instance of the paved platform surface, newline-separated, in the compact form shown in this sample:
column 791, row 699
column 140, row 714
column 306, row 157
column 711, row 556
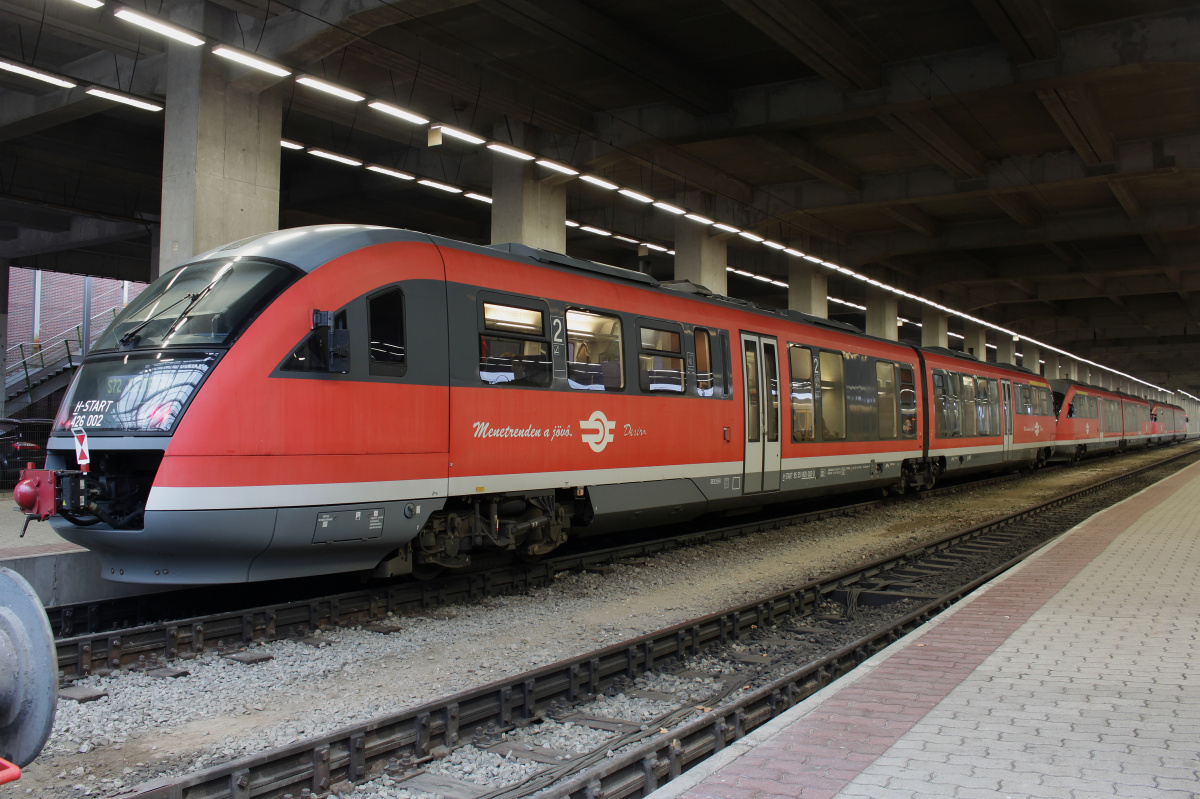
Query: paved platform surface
column 1075, row 675
column 40, row 538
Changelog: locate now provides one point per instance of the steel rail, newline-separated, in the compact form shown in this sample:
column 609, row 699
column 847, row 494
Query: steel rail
column 431, row 730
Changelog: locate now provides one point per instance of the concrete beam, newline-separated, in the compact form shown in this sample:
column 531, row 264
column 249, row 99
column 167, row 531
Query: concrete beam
column 803, row 29
column 578, row 27
column 1169, row 41
column 83, row 232
column 810, row 159
column 1075, row 113
column 1021, row 26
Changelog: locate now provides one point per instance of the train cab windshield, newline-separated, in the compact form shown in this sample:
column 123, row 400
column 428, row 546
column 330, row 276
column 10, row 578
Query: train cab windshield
column 203, row 304
column 147, row 364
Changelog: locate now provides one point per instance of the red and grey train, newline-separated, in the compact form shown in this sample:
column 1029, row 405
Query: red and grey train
column 341, row 398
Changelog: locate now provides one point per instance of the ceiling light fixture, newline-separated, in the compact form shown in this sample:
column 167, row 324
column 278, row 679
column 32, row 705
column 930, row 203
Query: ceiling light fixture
column 572, row 223
column 391, row 173
column 329, row 88
column 136, row 102
column 341, row 159
column 511, row 151
column 655, row 247
column 433, row 184
column 601, row 182
column 408, row 116
column 557, row 167
column 90, row 3
column 288, row 144
column 748, row 235
column 36, row 74
column 478, row 197
column 726, row 228
column 250, row 61
column 595, row 230
column 633, row 195
column 670, row 209
column 455, row 133
column 178, row 34
column 704, row 220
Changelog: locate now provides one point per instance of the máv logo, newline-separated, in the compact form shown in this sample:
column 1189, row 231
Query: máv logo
column 597, row 432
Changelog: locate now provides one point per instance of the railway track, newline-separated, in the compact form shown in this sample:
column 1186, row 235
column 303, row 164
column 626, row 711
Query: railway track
column 763, row 657
column 92, row 638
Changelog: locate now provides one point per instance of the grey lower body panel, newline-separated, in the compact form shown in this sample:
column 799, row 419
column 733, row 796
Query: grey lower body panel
column 231, row 546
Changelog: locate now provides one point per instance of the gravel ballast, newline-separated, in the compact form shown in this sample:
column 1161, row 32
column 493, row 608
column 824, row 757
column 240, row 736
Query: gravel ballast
column 149, row 727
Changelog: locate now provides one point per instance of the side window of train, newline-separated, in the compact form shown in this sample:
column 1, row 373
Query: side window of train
column 833, row 397
column 708, row 372
column 660, row 358
column 908, row 401
column 804, row 421
column 967, row 397
column 594, row 357
column 317, row 353
column 983, row 417
column 994, row 406
column 952, row 406
column 385, row 324
column 513, row 346
column 939, row 403
column 885, row 398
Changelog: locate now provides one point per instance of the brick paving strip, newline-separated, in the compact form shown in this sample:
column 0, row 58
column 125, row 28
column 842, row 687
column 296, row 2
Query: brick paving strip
column 38, row 549
column 821, row 753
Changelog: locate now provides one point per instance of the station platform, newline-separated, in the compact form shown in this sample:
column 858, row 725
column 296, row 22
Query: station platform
column 61, row 573
column 1073, row 675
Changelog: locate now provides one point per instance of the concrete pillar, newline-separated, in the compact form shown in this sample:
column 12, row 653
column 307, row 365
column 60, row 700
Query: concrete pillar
column 1030, row 357
column 1051, row 365
column 526, row 210
column 1068, row 369
column 975, row 340
column 86, row 326
column 1006, row 349
column 220, row 151
column 700, row 257
column 882, row 308
column 808, row 287
column 934, row 327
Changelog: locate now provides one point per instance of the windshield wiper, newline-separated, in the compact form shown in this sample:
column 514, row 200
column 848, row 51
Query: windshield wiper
column 128, row 337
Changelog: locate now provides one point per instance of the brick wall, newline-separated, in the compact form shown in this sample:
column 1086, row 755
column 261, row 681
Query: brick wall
column 62, row 301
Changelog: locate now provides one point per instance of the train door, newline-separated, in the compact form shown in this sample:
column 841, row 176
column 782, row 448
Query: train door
column 1006, row 413
column 760, row 373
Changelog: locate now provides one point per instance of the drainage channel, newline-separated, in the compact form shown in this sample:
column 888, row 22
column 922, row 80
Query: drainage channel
column 756, row 660
column 148, row 646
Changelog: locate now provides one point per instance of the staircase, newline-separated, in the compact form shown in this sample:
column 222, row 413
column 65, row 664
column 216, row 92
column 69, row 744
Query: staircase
column 34, row 371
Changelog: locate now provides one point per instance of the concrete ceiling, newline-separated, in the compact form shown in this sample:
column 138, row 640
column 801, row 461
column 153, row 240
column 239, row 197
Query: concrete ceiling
column 1034, row 164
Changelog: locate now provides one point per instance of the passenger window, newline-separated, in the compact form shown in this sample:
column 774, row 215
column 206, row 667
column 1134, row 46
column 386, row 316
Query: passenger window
column 833, row 397
column 513, row 347
column 660, row 360
column 939, row 404
column 908, row 402
column 885, row 397
column 771, row 368
column 969, row 415
column 707, row 380
column 803, row 418
column 385, row 321
column 982, row 416
column 594, row 358
column 953, row 427
column 753, row 414
column 994, row 406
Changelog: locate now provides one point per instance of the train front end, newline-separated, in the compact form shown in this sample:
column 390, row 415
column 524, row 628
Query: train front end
column 221, row 430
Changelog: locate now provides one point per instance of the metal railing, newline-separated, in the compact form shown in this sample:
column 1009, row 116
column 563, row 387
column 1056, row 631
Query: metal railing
column 28, row 358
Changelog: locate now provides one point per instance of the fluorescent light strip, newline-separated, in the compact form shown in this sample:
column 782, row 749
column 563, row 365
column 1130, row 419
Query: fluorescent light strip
column 655, row 247
column 341, row 159
column 633, row 195
column 90, row 3
column 774, row 245
column 392, row 110
column 595, row 230
column 557, row 167
column 288, row 144
column 601, row 182
column 572, row 223
column 329, row 88
column 624, row 238
column 136, row 102
column 391, row 173
column 149, row 23
column 478, row 197
column 433, row 184
column 726, row 228
column 461, row 135
column 36, row 74
column 671, row 209
column 704, row 220
column 510, row 151
column 748, row 235
column 250, row 61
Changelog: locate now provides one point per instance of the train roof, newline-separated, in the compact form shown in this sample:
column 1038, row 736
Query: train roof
column 946, row 352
